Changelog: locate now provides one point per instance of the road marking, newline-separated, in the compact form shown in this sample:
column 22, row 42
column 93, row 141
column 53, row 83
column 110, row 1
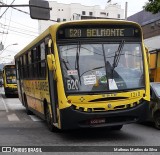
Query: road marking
column 6, row 108
column 13, row 117
column 35, row 118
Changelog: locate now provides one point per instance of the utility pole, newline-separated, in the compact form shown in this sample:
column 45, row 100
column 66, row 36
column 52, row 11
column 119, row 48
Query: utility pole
column 126, row 10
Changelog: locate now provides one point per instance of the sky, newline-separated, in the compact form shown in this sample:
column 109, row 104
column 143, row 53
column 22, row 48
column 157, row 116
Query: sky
column 19, row 29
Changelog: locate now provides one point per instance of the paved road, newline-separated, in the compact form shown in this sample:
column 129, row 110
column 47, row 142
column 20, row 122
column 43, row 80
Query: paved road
column 19, row 129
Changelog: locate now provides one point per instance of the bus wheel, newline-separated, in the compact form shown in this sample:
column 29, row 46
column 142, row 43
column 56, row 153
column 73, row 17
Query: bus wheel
column 49, row 120
column 118, row 127
column 157, row 121
column 26, row 105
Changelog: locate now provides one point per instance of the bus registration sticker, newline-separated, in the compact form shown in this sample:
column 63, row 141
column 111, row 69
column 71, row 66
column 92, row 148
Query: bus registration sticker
column 72, row 72
column 89, row 79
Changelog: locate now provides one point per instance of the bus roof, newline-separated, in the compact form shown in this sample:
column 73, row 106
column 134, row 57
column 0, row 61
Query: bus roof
column 9, row 66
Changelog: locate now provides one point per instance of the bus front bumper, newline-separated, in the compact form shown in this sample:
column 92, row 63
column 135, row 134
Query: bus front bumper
column 72, row 119
column 9, row 90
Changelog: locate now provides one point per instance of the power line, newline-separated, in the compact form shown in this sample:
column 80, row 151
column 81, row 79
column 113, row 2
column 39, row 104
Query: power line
column 21, row 11
column 21, row 24
column 8, row 26
column 19, row 28
column 17, row 9
column 22, row 33
column 10, row 18
column 6, row 9
column 10, row 29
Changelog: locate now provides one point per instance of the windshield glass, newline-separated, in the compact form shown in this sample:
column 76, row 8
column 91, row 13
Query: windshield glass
column 11, row 76
column 91, row 67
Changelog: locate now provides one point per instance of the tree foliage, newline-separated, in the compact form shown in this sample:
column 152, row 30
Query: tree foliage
column 152, row 6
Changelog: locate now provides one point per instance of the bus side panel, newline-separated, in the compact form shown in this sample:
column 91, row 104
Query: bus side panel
column 155, row 67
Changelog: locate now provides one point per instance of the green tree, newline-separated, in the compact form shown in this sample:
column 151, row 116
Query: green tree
column 152, row 6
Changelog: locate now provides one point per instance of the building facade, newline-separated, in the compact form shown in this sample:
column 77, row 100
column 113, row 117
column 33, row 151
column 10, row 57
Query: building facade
column 75, row 11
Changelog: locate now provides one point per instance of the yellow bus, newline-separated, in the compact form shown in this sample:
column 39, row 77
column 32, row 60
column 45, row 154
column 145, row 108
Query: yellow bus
column 155, row 65
column 85, row 74
column 1, row 78
column 9, row 80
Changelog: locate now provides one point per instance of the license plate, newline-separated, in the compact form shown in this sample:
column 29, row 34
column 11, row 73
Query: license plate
column 97, row 121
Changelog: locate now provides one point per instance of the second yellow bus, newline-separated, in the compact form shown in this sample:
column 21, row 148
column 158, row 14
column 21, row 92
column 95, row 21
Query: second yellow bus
column 9, row 80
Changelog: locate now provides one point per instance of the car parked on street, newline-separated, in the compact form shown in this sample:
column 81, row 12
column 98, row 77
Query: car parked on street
column 155, row 104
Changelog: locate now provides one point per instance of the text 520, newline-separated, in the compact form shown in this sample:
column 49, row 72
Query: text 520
column 75, row 33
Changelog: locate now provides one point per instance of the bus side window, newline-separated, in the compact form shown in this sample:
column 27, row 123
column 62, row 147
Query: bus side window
column 29, row 65
column 34, row 63
column 17, row 68
column 42, row 60
column 21, row 67
column 25, row 65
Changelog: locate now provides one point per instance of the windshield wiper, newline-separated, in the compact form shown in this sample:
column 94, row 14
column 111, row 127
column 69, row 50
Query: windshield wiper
column 116, row 58
column 77, row 62
column 117, row 55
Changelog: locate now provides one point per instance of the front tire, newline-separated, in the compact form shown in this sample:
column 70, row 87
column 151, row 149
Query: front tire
column 49, row 120
column 26, row 105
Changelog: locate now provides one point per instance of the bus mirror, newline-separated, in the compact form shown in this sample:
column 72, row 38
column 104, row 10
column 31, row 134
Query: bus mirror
column 50, row 43
column 51, row 62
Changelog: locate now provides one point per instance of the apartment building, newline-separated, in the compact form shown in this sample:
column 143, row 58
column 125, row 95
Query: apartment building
column 75, row 11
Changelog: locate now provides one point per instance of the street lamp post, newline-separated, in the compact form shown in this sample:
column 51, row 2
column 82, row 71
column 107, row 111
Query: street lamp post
column 7, row 47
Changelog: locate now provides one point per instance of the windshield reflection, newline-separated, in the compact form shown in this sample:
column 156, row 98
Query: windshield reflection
column 90, row 67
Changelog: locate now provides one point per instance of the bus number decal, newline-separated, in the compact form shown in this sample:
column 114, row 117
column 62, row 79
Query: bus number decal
column 135, row 94
column 72, row 84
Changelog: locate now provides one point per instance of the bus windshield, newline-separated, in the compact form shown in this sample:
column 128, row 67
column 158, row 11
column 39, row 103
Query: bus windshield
column 102, row 67
column 11, row 76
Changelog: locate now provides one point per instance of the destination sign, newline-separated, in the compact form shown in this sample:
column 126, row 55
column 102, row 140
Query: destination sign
column 94, row 32
column 100, row 32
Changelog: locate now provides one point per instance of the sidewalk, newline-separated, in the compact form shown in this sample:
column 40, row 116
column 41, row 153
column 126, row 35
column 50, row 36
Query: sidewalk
column 3, row 106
